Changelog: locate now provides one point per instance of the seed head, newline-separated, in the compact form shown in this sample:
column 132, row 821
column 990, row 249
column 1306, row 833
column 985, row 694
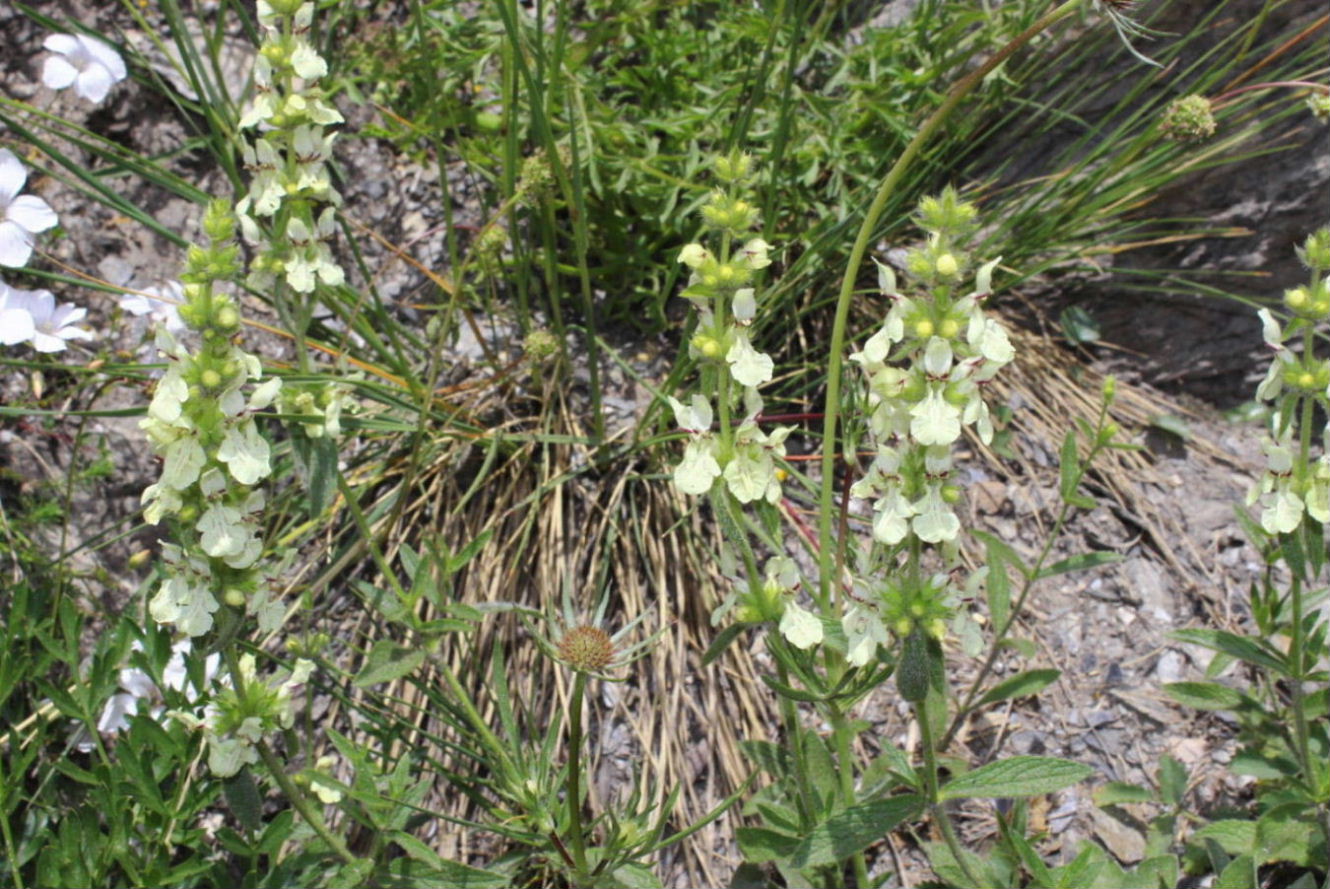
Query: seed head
column 586, row 649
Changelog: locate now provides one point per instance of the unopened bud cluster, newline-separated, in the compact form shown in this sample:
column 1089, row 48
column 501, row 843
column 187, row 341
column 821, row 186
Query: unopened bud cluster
column 288, row 162
column 1294, row 483
column 721, row 289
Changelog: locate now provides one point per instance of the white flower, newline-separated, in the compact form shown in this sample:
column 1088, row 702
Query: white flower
column 934, row 521
column 694, row 416
column 160, row 304
column 693, row 255
column 91, row 66
column 748, row 366
column 755, row 251
column 245, row 452
column 863, row 633
column 892, row 520
column 22, row 217
column 935, row 421
column 1283, row 514
column 803, row 630
column 52, row 325
column 698, row 468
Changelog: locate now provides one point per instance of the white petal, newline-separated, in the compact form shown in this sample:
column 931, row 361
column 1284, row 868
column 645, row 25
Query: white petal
column 32, row 213
column 57, row 73
column 15, row 245
column 94, row 83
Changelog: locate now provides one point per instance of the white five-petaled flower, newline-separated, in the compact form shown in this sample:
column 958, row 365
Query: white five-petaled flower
column 33, row 316
column 89, row 65
column 22, row 217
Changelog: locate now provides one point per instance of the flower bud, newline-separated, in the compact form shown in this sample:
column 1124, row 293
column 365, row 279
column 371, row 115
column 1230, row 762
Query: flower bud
column 946, row 266
column 1110, row 388
column 227, row 318
column 923, row 328
column 234, row 597
column 210, row 379
column 949, row 328
column 734, row 168
column 1315, row 252
column 1296, row 299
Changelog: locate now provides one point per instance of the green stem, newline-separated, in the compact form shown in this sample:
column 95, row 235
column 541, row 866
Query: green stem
column 845, row 762
column 298, row 799
column 958, row 92
column 574, row 791
column 937, row 810
column 302, row 804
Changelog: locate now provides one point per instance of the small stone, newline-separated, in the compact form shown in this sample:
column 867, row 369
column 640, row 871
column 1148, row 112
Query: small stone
column 1171, row 666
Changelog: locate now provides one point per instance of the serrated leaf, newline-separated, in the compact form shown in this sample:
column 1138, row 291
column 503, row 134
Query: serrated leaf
column 771, row 758
column 388, row 661
column 1240, row 874
column 1172, row 780
column 1021, row 685
column 1204, row 695
column 349, row 876
column 635, row 876
column 1017, row 776
column 759, row 845
column 1233, row 836
column 1115, row 793
column 852, row 830
column 1081, row 561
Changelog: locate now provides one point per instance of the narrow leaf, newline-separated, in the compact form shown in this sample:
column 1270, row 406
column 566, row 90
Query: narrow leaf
column 1019, row 686
column 1204, row 695
column 1080, row 561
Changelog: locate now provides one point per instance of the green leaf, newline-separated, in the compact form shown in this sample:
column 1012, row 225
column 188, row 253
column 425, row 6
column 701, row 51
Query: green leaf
column 1115, row 793
column 1204, row 695
column 1233, row 836
column 788, row 691
column 1069, row 467
column 439, row 871
column 722, row 642
column 759, row 845
column 772, row 758
column 388, row 661
column 1172, row 425
column 1241, row 647
column 852, row 830
column 1078, row 325
column 635, row 876
column 1081, row 561
column 243, row 799
column 1282, row 836
column 1172, row 780
column 351, row 875
column 1019, row 686
column 1017, row 776
column 1240, row 874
